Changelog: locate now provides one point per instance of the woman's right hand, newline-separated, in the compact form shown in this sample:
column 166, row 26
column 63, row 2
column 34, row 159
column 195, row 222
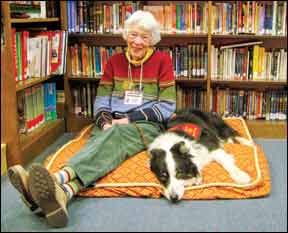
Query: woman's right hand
column 107, row 126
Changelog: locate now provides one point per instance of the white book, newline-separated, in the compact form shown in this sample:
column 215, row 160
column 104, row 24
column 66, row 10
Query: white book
column 34, row 57
column 42, row 9
column 274, row 19
column 284, row 19
column 44, row 60
column 278, row 65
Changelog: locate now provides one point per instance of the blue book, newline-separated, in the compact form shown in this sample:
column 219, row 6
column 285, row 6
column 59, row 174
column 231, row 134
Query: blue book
column 268, row 18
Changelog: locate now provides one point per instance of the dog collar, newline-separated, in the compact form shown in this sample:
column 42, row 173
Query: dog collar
column 189, row 128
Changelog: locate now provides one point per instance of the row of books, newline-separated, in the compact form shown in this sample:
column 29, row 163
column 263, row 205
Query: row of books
column 98, row 17
column 190, row 97
column 187, row 17
column 83, row 97
column 38, row 54
column 250, row 104
column 36, row 105
column 252, row 62
column 89, row 60
column 253, row 17
column 34, row 9
column 261, row 18
column 189, row 62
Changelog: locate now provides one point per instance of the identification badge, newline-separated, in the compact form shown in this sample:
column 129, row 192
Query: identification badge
column 133, row 97
column 127, row 85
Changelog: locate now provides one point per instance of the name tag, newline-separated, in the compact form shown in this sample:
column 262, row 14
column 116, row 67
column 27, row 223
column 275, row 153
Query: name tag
column 133, row 97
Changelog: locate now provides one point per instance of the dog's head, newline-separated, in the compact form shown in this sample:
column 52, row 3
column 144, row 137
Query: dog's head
column 174, row 168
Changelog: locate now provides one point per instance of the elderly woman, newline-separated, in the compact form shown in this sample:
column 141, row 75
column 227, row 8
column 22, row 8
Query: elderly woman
column 135, row 95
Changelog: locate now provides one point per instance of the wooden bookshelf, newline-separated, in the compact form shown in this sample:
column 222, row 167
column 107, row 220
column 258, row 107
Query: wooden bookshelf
column 249, row 84
column 268, row 41
column 35, row 142
column 76, row 123
column 34, row 20
column 207, row 83
column 22, row 148
column 21, row 85
column 84, row 78
column 267, row 129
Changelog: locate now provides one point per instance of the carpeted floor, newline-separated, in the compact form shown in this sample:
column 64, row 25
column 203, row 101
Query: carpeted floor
column 131, row 214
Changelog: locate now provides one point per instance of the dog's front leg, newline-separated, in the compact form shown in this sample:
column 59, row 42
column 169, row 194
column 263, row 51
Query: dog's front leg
column 227, row 161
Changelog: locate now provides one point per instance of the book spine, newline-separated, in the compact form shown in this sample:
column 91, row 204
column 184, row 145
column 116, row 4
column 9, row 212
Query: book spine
column 19, row 55
column 14, row 54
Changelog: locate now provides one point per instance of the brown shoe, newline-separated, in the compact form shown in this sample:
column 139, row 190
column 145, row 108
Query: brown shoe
column 18, row 177
column 49, row 195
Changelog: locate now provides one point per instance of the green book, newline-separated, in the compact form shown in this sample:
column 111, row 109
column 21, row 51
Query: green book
column 19, row 55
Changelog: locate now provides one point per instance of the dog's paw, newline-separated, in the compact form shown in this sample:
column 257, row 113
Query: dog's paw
column 242, row 178
column 197, row 180
column 194, row 181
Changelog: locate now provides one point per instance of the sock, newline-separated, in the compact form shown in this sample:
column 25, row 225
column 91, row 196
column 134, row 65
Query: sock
column 65, row 175
column 71, row 188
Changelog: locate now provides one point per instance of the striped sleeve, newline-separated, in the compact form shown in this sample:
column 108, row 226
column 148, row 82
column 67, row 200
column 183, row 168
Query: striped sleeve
column 102, row 106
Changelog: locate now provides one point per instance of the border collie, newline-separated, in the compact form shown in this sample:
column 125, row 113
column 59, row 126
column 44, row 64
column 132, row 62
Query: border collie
column 193, row 139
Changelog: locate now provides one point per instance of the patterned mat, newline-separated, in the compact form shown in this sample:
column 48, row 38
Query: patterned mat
column 134, row 178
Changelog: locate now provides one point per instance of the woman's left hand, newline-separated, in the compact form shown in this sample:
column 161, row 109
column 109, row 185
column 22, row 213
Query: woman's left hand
column 120, row 121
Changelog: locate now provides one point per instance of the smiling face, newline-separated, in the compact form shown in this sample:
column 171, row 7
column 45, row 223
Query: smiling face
column 138, row 41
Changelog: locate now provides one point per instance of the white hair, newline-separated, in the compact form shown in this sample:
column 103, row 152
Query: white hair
column 144, row 20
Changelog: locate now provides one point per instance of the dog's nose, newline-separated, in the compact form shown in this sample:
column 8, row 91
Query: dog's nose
column 174, row 198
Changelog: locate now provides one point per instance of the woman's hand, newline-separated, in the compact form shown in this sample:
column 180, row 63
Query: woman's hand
column 120, row 121
column 107, row 126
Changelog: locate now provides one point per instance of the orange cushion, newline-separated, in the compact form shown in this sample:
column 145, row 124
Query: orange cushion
column 134, row 178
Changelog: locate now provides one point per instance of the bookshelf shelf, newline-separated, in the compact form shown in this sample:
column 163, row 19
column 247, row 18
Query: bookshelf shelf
column 33, row 143
column 83, row 78
column 76, row 123
column 21, row 85
column 247, row 84
column 247, row 36
column 35, row 20
column 116, row 39
column 268, row 41
column 267, row 129
column 191, row 82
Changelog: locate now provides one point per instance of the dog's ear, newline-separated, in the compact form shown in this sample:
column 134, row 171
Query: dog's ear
column 179, row 148
column 156, row 153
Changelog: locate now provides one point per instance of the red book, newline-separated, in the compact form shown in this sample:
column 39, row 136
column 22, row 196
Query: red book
column 103, row 58
column 239, row 16
column 14, row 52
column 56, row 50
column 24, row 38
column 173, row 12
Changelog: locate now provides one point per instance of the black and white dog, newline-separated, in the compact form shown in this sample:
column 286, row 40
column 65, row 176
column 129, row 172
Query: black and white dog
column 192, row 140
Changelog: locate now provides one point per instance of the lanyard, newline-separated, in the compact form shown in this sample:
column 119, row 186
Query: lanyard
column 131, row 79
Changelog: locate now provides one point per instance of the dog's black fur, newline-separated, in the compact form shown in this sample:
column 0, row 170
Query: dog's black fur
column 214, row 129
column 176, row 157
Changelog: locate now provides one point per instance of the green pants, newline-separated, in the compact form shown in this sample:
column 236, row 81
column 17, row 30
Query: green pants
column 106, row 150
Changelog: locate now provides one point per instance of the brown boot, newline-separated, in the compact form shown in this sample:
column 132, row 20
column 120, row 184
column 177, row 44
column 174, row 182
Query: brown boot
column 18, row 177
column 49, row 195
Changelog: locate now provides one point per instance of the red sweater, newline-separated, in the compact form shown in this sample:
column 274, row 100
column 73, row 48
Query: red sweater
column 159, row 99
